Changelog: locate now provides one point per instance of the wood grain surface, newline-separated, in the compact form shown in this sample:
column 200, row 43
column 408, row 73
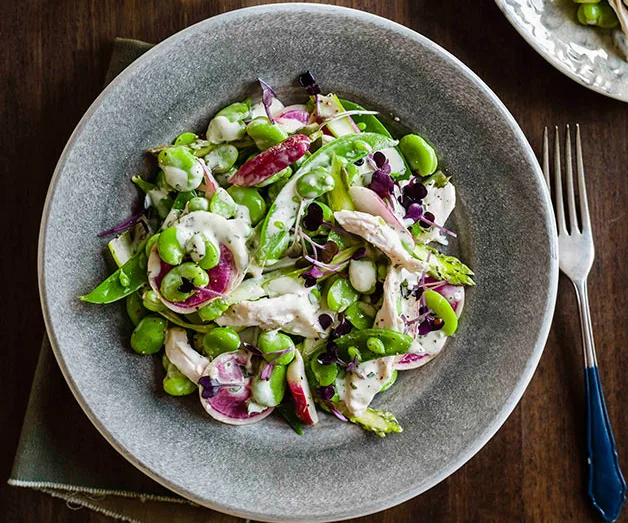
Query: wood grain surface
column 53, row 58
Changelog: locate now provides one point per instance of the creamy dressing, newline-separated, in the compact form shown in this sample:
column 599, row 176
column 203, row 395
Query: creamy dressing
column 218, row 230
column 178, row 178
column 292, row 313
column 359, row 392
column 440, row 201
column 375, row 231
column 286, row 285
column 195, row 247
column 221, row 129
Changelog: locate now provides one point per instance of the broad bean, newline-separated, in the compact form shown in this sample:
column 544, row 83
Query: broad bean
column 169, row 248
column 251, row 199
column 220, row 340
column 213, row 309
column 270, row 393
column 182, row 169
column 357, row 315
column 185, row 139
column 271, row 342
column 315, row 183
column 198, row 203
column 341, row 294
column 149, row 335
column 135, row 308
column 222, row 203
column 175, row 383
column 221, row 158
column 325, row 374
column 419, row 154
column 265, row 134
column 180, row 282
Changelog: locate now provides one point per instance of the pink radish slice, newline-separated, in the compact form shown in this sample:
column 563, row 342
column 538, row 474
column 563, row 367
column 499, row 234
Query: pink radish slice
column 271, row 161
column 211, row 185
column 230, row 404
column 453, row 293
column 366, row 200
column 220, row 280
column 294, row 112
column 412, row 361
column 300, row 389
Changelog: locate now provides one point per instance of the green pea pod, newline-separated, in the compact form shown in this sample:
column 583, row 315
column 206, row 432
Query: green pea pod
column 339, row 198
column 394, row 342
column 112, row 289
column 183, row 198
column 283, row 213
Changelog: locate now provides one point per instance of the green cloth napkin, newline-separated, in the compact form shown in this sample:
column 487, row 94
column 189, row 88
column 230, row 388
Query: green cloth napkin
column 62, row 454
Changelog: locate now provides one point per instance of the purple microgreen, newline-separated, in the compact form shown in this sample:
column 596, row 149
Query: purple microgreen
column 426, row 220
column 424, row 328
column 309, row 282
column 382, row 184
column 414, row 212
column 359, row 254
column 267, row 371
column 380, row 159
column 414, row 191
column 313, row 272
column 126, row 224
column 268, row 95
column 344, row 327
column 353, row 367
column 308, row 81
column 325, row 321
column 212, row 387
column 336, row 412
column 313, row 217
column 329, row 250
column 251, row 348
column 326, row 393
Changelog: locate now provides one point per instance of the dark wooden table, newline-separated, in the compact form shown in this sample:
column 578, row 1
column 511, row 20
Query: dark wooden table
column 53, row 58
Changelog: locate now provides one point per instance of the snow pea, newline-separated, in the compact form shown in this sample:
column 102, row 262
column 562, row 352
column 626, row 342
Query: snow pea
column 394, row 342
column 251, row 199
column 339, row 198
column 357, row 315
column 112, row 289
column 265, row 134
column 219, row 340
column 390, row 382
column 281, row 175
column 222, row 203
column 443, row 309
column 178, row 284
column 135, row 308
column 419, row 154
column 314, row 184
column 149, row 335
column 183, row 198
column 176, row 320
column 283, row 213
column 175, row 383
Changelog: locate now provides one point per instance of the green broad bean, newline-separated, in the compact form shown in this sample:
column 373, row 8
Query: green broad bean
column 589, row 14
column 608, row 19
column 324, row 374
column 228, row 124
column 222, row 203
column 315, row 183
column 341, row 294
column 376, row 346
column 236, row 111
column 390, row 382
column 271, row 342
column 363, row 275
column 394, row 342
column 175, row 383
column 265, row 134
column 214, row 309
column 442, row 309
column 271, row 392
column 151, row 301
column 251, row 198
column 211, row 257
column 185, row 275
column 149, row 335
column 135, row 308
column 220, row 340
column 354, row 353
column 185, row 139
column 221, row 158
column 283, row 174
column 357, row 315
column 198, row 203
column 169, row 248
column 182, row 169
column 419, row 154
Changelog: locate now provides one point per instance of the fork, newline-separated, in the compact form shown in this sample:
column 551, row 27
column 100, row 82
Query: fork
column 606, row 485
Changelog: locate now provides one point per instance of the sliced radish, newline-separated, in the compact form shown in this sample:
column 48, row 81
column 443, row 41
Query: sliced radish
column 366, row 200
column 293, row 118
column 413, row 361
column 211, row 185
column 232, row 372
column 300, row 389
column 221, row 279
column 454, row 294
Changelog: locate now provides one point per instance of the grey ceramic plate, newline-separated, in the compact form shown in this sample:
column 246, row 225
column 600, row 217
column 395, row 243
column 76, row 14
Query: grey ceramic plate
column 449, row 409
column 595, row 58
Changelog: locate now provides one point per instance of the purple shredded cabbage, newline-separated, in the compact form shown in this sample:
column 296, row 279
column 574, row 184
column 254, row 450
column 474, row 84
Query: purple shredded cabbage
column 268, row 95
column 326, row 393
column 126, row 224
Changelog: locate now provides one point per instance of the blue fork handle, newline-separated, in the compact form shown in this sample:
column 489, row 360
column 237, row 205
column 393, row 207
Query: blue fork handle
column 607, row 487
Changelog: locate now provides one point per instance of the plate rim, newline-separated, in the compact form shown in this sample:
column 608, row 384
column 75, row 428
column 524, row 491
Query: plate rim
column 529, row 369
column 549, row 58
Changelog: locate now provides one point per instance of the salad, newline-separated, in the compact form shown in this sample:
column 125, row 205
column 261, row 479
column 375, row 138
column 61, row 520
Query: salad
column 288, row 259
column 607, row 14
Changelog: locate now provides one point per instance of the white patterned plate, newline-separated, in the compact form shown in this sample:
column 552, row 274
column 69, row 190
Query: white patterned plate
column 593, row 57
